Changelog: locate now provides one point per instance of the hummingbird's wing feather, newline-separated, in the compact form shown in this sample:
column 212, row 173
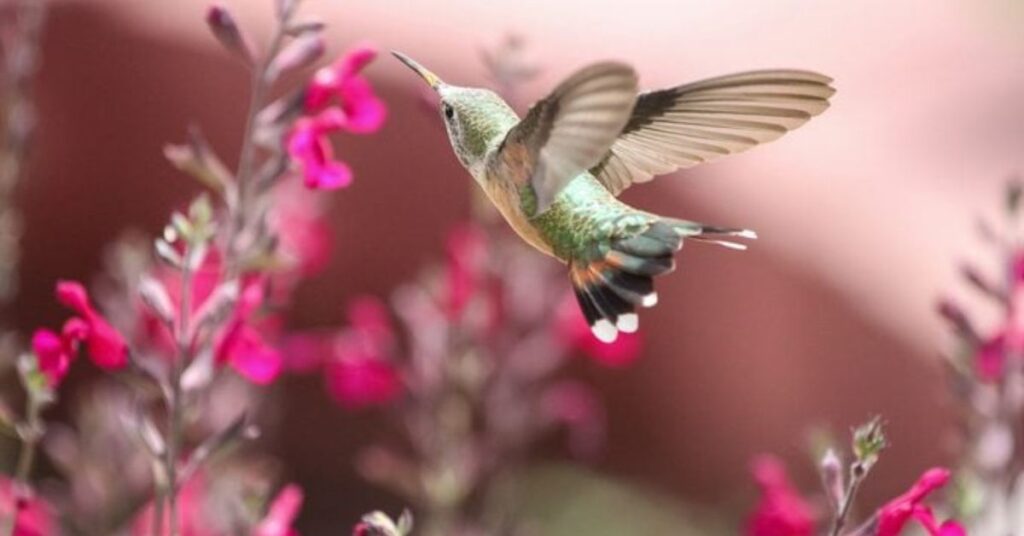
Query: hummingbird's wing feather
column 573, row 128
column 687, row 125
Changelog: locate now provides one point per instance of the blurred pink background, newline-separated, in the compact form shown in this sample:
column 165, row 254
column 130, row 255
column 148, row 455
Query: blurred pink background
column 863, row 213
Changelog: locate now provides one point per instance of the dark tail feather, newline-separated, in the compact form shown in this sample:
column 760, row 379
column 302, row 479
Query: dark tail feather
column 610, row 287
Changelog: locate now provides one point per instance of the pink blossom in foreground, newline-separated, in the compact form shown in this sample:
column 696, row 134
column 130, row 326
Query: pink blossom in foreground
column 898, row 512
column 282, row 513
column 54, row 352
column 573, row 331
column 338, row 98
column 32, row 515
column 360, row 372
column 107, row 348
column 781, row 511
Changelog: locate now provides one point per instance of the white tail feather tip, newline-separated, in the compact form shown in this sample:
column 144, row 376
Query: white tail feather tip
column 604, row 331
column 747, row 233
column 649, row 300
column 628, row 323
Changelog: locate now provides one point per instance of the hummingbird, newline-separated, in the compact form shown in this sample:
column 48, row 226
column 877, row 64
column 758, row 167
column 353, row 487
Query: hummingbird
column 555, row 174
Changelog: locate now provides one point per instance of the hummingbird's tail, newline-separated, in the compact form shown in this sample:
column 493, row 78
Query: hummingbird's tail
column 611, row 286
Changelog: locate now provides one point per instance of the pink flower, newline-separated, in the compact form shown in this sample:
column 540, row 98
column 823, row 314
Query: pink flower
column 337, row 98
column 308, row 144
column 1008, row 341
column 199, row 506
column 360, row 373
column 191, row 512
column 896, row 513
column 242, row 340
column 781, row 510
column 571, row 327
column 357, row 381
column 55, row 352
column 362, row 111
column 242, row 345
column 282, row 513
column 32, row 515
column 989, row 358
column 106, row 346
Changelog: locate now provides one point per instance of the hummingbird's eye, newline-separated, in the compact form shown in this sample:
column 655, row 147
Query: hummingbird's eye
column 449, row 112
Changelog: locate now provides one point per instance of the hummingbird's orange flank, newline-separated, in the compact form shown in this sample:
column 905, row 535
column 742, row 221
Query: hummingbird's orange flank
column 555, row 173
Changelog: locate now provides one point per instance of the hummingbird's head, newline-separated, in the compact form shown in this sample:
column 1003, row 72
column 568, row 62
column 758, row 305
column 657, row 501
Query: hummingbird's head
column 476, row 119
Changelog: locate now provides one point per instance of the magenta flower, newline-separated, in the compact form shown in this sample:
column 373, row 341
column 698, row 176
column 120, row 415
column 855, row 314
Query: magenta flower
column 192, row 512
column 282, row 513
column 571, row 327
column 309, row 146
column 337, row 98
column 362, row 111
column 32, row 515
column 896, row 513
column 781, row 510
column 359, row 372
column 241, row 345
column 55, row 352
column 107, row 348
column 358, row 381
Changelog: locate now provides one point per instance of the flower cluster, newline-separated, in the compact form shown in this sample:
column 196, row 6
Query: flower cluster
column 338, row 98
column 783, row 511
column 208, row 299
column 485, row 335
column 987, row 369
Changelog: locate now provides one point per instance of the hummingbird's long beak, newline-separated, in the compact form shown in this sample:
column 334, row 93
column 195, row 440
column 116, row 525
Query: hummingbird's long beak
column 426, row 75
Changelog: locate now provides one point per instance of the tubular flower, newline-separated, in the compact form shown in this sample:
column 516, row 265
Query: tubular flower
column 781, row 510
column 338, row 98
column 55, row 352
column 360, row 373
column 896, row 513
column 107, row 348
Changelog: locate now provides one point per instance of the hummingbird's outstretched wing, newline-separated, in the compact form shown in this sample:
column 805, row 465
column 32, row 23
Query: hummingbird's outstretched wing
column 687, row 125
column 573, row 128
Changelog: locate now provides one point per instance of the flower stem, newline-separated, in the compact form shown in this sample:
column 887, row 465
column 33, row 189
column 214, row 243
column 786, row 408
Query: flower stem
column 176, row 402
column 239, row 199
column 33, row 431
column 857, row 474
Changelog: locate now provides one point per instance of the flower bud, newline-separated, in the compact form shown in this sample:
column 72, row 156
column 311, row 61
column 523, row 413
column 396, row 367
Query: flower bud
column 197, row 159
column 223, row 26
column 832, row 478
column 955, row 316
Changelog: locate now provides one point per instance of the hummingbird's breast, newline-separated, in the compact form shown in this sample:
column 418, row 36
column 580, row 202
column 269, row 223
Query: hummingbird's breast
column 573, row 222
column 505, row 196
